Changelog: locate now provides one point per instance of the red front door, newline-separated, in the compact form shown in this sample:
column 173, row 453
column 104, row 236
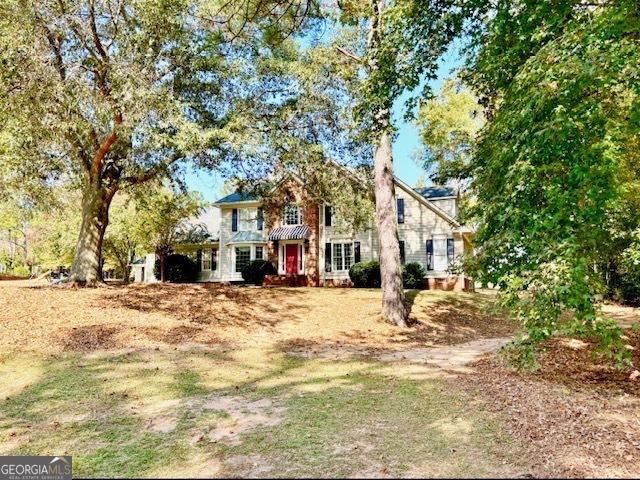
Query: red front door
column 291, row 259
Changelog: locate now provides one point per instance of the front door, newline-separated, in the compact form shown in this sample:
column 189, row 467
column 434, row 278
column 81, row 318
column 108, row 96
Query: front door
column 291, row 259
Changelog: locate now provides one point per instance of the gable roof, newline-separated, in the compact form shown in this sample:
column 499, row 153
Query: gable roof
column 238, row 197
column 437, row 191
column 426, row 202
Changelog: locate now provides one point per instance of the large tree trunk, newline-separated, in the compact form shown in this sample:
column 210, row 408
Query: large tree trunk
column 393, row 307
column 86, row 268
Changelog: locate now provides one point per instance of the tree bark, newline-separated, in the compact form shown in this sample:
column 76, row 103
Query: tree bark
column 86, row 268
column 393, row 306
column 162, row 254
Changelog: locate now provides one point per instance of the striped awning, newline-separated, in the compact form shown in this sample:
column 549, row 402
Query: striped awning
column 290, row 232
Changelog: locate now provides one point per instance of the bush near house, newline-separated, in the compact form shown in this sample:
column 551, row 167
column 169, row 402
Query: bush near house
column 179, row 269
column 412, row 275
column 367, row 275
column 255, row 271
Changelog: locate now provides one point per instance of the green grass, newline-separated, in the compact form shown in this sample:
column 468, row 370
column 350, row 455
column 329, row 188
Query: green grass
column 338, row 418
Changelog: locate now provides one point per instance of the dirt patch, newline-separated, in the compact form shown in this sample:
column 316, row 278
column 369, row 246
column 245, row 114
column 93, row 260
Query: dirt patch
column 450, row 357
column 243, row 416
column 250, row 466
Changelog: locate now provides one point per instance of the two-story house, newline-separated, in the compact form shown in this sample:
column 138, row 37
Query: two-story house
column 305, row 243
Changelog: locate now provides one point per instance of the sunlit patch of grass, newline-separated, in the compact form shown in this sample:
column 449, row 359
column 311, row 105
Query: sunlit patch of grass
column 368, row 420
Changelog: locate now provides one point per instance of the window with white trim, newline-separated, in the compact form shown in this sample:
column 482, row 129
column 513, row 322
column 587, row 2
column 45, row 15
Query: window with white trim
column 292, row 215
column 243, row 257
column 259, row 253
column 246, row 220
column 342, row 256
column 206, row 260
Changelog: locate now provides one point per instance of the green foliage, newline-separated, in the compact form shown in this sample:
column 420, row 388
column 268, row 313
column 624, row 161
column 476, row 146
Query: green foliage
column 413, row 275
column 255, row 271
column 448, row 126
column 179, row 269
column 555, row 159
column 365, row 274
column 161, row 216
column 123, row 237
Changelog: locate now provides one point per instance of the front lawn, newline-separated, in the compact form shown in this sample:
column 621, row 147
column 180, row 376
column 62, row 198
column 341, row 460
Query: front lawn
column 211, row 381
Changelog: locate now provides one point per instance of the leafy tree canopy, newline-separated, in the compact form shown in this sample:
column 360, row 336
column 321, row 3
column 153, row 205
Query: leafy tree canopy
column 561, row 84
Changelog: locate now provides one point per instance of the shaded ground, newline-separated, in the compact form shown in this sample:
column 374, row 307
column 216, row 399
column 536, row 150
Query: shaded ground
column 205, row 380
column 578, row 412
column 213, row 381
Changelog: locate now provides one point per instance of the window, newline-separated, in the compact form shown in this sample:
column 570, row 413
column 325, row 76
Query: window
column 342, row 256
column 292, row 215
column 400, row 209
column 259, row 253
column 214, row 259
column 206, row 260
column 246, row 220
column 429, row 254
column 402, row 257
column 234, row 220
column 243, row 257
column 337, row 256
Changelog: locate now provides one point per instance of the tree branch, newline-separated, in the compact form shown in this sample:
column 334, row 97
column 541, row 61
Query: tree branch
column 106, row 145
column 348, row 54
column 153, row 171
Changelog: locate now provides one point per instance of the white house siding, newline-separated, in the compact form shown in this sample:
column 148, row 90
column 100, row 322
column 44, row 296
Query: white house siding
column 422, row 223
column 448, row 204
column 226, row 264
column 334, row 234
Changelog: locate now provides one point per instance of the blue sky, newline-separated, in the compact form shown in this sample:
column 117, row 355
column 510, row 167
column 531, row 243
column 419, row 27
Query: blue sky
column 406, row 142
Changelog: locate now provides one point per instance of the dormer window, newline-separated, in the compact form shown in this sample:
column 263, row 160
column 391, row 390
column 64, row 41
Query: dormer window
column 292, row 215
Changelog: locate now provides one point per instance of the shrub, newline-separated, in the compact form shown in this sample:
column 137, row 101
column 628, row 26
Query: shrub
column 412, row 275
column 178, row 269
column 365, row 274
column 255, row 271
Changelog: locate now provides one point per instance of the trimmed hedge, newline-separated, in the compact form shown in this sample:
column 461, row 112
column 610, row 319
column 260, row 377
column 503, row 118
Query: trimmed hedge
column 367, row 275
column 255, row 271
column 412, row 275
column 178, row 269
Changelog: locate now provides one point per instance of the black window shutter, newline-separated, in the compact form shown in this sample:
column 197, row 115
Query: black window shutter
column 356, row 252
column 327, row 215
column 199, row 260
column 402, row 252
column 450, row 251
column 400, row 208
column 234, row 220
column 214, row 259
column 429, row 254
column 260, row 218
column 327, row 257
